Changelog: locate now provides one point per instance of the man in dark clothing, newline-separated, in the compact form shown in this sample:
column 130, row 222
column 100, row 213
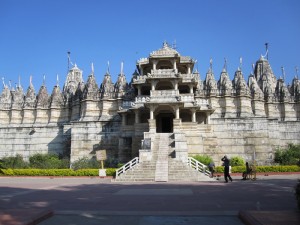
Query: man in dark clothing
column 226, row 163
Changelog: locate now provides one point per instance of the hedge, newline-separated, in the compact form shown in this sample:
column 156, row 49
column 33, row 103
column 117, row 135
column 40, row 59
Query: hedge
column 261, row 169
column 112, row 171
column 55, row 172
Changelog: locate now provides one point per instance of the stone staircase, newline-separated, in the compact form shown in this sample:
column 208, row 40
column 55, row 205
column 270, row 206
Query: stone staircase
column 179, row 171
column 164, row 166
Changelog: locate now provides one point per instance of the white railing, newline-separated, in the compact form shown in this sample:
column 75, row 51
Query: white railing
column 193, row 163
column 132, row 163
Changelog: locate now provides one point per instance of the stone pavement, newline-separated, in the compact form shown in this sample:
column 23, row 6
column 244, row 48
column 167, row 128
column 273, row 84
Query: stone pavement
column 76, row 201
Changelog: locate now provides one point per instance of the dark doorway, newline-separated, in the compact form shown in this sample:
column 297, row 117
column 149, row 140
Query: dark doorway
column 164, row 123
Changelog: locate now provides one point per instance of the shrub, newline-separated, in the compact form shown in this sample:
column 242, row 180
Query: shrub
column 85, row 163
column 48, row 161
column 13, row 162
column 111, row 163
column 205, row 159
column 288, row 156
column 261, row 169
column 56, row 172
column 237, row 161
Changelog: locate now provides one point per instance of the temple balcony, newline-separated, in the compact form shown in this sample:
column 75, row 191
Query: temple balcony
column 164, row 93
column 164, row 73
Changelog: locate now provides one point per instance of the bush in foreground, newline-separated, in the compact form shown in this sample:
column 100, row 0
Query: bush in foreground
column 56, row 172
column 288, row 156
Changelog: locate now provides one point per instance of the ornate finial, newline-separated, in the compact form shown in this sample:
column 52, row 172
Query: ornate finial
column 44, row 79
column 196, row 62
column 30, row 80
column 241, row 63
column 9, row 83
column 174, row 46
column 211, row 64
column 283, row 73
column 296, row 68
column 19, row 85
column 92, row 67
column 122, row 67
column 57, row 81
column 253, row 68
column 225, row 64
column 107, row 67
column 267, row 50
column 69, row 60
column 3, row 82
column 165, row 44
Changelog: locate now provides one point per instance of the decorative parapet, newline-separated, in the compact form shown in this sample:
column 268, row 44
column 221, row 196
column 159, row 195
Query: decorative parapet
column 164, row 93
column 187, row 98
column 143, row 61
column 140, row 79
column 163, row 73
column 189, row 78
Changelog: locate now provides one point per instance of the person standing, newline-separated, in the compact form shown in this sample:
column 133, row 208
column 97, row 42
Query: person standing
column 226, row 163
column 211, row 167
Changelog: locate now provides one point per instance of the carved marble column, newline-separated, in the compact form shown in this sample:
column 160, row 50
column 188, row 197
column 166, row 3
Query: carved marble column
column 193, row 115
column 177, row 112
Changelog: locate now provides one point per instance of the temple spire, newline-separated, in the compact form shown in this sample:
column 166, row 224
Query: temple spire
column 211, row 64
column 296, row 68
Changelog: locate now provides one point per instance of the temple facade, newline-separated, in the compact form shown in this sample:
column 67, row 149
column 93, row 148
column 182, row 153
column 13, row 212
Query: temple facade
column 248, row 117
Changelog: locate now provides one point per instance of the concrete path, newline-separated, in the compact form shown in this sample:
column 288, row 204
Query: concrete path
column 88, row 201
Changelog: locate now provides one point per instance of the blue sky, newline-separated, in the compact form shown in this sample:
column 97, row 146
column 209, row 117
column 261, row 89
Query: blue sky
column 35, row 36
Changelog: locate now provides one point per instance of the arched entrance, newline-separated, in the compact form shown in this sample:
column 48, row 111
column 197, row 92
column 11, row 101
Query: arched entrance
column 164, row 122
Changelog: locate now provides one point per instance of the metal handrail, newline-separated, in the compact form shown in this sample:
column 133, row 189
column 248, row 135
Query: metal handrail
column 193, row 163
column 132, row 163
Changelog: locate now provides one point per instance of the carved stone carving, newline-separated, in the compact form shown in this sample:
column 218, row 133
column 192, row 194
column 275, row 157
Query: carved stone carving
column 43, row 98
column 107, row 87
column 6, row 98
column 17, row 98
column 121, row 85
column 30, row 97
column 91, row 90
column 56, row 97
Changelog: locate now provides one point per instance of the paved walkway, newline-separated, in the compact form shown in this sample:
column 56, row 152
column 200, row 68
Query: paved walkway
column 76, row 201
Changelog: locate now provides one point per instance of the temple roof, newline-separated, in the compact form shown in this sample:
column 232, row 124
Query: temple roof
column 165, row 51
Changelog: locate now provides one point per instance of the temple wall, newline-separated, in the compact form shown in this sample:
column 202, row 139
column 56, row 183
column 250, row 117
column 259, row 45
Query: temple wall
column 88, row 137
column 29, row 140
column 248, row 138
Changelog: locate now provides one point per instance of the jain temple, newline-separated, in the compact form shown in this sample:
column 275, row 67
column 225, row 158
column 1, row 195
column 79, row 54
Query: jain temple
column 166, row 113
